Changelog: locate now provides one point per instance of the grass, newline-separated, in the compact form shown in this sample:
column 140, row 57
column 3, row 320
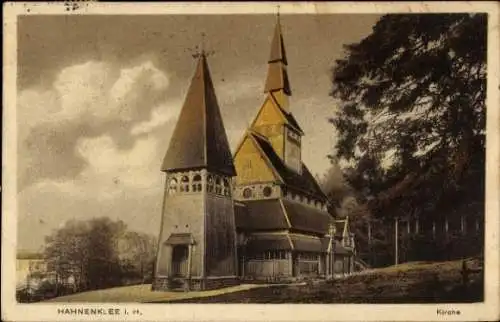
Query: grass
column 417, row 282
column 406, row 283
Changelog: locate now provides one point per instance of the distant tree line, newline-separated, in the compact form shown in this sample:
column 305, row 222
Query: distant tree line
column 411, row 135
column 93, row 254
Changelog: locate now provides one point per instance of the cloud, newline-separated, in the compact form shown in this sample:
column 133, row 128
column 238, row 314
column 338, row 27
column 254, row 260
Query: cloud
column 120, row 184
column 83, row 89
column 86, row 100
column 159, row 117
column 111, row 170
column 47, row 204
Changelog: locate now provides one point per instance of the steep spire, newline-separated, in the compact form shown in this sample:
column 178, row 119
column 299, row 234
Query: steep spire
column 277, row 76
column 199, row 139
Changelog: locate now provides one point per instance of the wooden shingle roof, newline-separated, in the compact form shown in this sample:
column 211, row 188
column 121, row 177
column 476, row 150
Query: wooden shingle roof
column 306, row 218
column 277, row 76
column 260, row 215
column 303, row 181
column 199, row 139
column 280, row 214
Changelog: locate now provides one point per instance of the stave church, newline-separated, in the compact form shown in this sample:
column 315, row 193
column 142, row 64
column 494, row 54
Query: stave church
column 255, row 215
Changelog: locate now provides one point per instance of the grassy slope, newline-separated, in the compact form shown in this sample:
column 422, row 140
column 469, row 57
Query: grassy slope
column 405, row 283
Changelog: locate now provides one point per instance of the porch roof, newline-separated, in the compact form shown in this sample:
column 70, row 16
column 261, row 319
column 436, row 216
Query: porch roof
column 180, row 239
column 268, row 242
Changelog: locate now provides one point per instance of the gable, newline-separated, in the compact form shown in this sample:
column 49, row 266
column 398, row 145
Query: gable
column 269, row 114
column 303, row 181
column 251, row 165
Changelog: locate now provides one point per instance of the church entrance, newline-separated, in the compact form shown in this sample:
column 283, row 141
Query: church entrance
column 180, row 255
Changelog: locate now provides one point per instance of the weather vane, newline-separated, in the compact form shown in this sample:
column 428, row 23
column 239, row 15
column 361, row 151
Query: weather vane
column 199, row 50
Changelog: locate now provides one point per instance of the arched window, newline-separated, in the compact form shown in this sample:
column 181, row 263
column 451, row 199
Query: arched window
column 172, row 186
column 267, row 191
column 210, row 183
column 218, row 185
column 227, row 187
column 185, row 184
column 247, row 193
column 196, row 183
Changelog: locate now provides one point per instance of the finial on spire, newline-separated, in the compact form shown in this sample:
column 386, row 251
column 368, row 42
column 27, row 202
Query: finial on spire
column 199, row 50
column 203, row 43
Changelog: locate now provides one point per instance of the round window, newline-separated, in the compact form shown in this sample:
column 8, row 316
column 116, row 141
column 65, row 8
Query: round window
column 267, row 191
column 247, row 193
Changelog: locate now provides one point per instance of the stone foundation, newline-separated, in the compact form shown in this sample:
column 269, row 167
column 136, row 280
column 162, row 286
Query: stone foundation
column 193, row 284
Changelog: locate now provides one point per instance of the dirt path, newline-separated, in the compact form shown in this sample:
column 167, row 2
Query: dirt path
column 143, row 293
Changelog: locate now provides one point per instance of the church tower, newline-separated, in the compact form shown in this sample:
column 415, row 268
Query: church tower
column 276, row 128
column 281, row 211
column 197, row 234
column 274, row 120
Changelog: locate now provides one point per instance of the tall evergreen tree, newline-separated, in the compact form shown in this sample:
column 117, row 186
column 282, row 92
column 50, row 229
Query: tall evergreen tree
column 411, row 121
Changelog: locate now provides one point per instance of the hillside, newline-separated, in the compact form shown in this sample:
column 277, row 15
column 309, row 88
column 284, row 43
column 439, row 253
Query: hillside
column 417, row 282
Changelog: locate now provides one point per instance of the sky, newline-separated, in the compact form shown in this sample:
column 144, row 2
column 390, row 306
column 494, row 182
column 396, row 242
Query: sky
column 98, row 97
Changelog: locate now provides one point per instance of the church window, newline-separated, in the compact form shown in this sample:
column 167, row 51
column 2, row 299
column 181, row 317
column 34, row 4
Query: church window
column 308, row 256
column 227, row 187
column 184, row 184
column 172, row 186
column 267, row 255
column 218, row 186
column 210, row 183
column 346, row 241
column 267, row 191
column 247, row 168
column 197, row 183
column 247, row 193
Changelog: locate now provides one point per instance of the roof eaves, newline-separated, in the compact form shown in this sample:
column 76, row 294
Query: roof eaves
column 285, row 214
column 204, row 99
column 286, row 115
column 266, row 158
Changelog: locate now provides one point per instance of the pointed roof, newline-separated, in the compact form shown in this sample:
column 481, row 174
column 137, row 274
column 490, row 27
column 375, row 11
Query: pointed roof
column 199, row 139
column 277, row 76
column 278, row 46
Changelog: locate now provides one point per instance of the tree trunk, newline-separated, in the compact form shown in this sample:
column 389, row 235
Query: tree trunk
column 396, row 241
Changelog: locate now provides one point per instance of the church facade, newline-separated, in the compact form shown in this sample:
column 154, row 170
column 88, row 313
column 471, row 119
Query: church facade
column 256, row 215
